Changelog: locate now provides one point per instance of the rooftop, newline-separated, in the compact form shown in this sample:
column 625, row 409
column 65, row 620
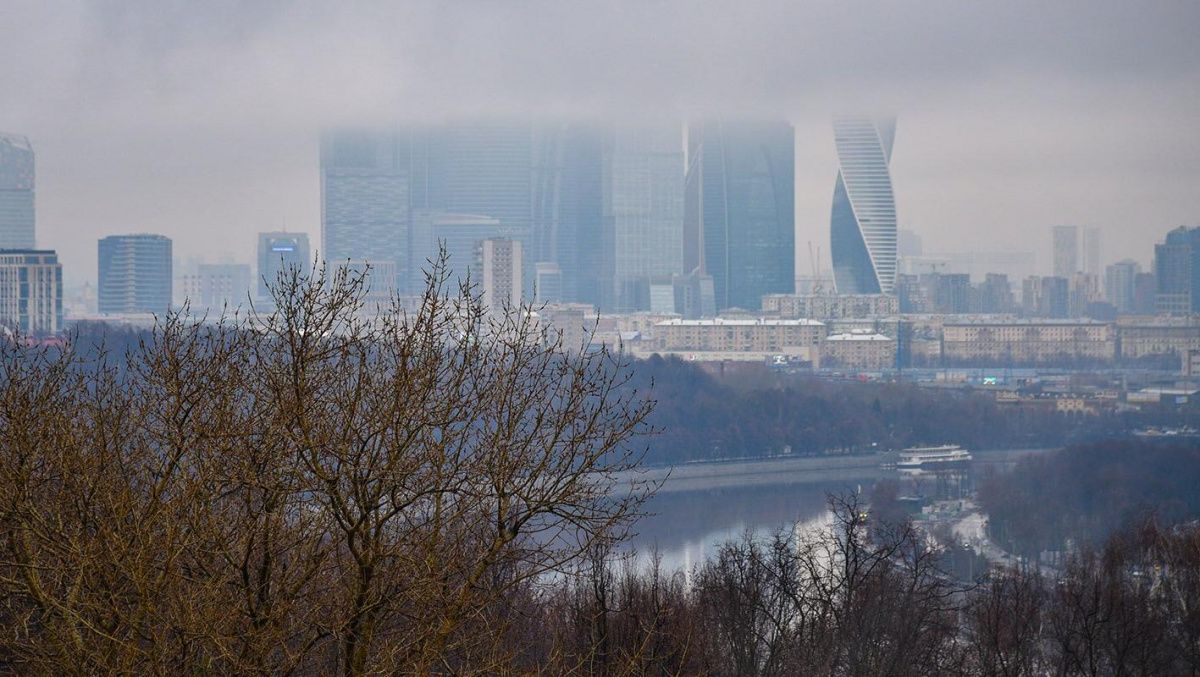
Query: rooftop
column 724, row 322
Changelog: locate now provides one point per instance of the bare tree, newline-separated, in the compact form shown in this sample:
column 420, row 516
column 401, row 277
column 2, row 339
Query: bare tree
column 312, row 489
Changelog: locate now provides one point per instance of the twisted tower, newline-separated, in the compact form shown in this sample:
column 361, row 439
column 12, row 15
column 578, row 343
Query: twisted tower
column 863, row 220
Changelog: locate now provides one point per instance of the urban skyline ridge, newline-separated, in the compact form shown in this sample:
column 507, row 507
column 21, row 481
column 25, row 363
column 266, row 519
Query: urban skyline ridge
column 807, row 233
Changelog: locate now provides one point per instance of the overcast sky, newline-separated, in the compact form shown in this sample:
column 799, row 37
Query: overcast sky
column 199, row 120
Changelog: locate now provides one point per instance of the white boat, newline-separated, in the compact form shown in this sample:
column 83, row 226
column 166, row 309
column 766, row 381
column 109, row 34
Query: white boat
column 941, row 456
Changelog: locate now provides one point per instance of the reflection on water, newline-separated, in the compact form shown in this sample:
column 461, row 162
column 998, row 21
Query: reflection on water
column 685, row 527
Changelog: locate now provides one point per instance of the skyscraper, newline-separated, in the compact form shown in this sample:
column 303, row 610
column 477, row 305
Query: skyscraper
column 216, row 287
column 1120, row 279
column 31, row 298
column 500, row 273
column 643, row 212
column 1065, row 240
column 365, row 191
column 17, row 215
column 1091, row 251
column 863, row 219
column 739, row 221
column 135, row 274
column 278, row 252
column 1177, row 270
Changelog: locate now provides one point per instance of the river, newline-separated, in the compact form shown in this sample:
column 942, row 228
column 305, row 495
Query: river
column 699, row 506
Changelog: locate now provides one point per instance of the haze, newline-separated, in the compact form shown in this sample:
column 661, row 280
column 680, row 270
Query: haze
column 200, row 121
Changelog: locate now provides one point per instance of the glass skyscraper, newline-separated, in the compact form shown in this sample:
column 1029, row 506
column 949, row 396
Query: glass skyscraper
column 740, row 210
column 863, row 220
column 643, row 212
column 366, row 179
column 17, row 216
column 135, row 274
column 374, row 184
column 278, row 252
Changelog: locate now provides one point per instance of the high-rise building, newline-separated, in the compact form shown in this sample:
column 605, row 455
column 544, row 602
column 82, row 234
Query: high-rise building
column 135, row 274
column 1119, row 281
column 643, row 213
column 458, row 234
column 500, row 267
column 1145, row 293
column 17, row 214
column 215, row 287
column 863, row 219
column 547, row 282
column 279, row 252
column 31, row 293
column 365, row 193
column 739, row 210
column 1091, row 251
column 1177, row 269
column 1045, row 297
column 1065, row 240
column 908, row 243
column 995, row 294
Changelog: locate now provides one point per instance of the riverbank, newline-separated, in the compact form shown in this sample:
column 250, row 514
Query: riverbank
column 779, row 471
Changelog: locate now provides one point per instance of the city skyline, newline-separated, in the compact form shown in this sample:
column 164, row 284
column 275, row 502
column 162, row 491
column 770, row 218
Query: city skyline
column 141, row 116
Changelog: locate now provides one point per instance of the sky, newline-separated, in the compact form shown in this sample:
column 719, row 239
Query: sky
column 199, row 120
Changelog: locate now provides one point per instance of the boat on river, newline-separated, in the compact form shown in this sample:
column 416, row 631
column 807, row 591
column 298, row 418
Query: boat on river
column 921, row 458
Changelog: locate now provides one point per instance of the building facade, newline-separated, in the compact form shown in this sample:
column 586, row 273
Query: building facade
column 279, row 252
column 863, row 218
column 830, row 306
column 740, row 210
column 500, row 262
column 218, row 286
column 726, row 335
column 365, row 195
column 134, row 274
column 1177, row 272
column 31, row 294
column 858, row 350
column 1065, row 245
column 1120, row 281
column 1028, row 342
column 17, row 183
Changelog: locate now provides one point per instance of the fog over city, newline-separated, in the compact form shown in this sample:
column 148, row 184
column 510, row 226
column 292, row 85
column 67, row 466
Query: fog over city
column 200, row 121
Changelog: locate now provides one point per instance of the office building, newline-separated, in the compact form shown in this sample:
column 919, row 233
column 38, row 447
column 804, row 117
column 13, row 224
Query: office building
column 1047, row 296
column 643, row 213
column 1119, row 281
column 31, row 293
column 365, row 192
column 500, row 265
column 17, row 212
column 863, row 218
column 994, row 295
column 215, row 287
column 547, row 283
column 135, row 274
column 458, row 235
column 739, row 212
column 1091, row 251
column 1065, row 242
column 279, row 253
column 1177, row 271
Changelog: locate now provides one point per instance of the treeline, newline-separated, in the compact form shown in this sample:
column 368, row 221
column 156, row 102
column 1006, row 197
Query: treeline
column 702, row 418
column 1080, row 495
column 868, row 598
